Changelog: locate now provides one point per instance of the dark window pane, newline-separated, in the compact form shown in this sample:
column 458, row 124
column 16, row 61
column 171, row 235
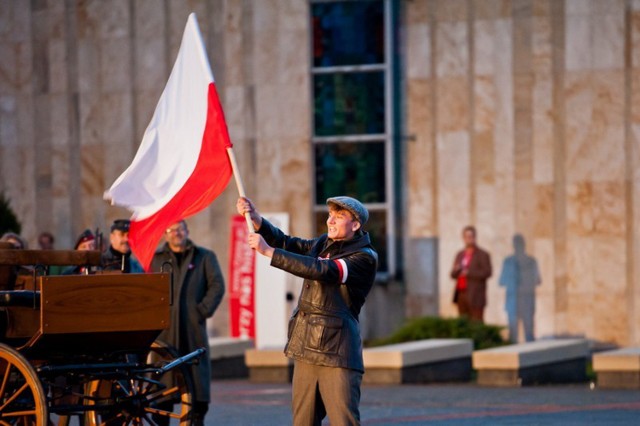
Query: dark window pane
column 348, row 104
column 347, row 33
column 353, row 169
column 377, row 229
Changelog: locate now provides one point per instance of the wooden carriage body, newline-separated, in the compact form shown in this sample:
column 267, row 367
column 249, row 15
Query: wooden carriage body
column 68, row 343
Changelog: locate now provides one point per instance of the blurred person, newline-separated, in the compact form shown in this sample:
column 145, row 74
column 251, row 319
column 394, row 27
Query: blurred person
column 46, row 241
column 14, row 239
column 520, row 276
column 324, row 340
column 471, row 269
column 198, row 287
column 86, row 241
column 117, row 257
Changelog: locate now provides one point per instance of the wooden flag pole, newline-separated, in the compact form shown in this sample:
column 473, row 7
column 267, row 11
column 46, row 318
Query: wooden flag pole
column 239, row 184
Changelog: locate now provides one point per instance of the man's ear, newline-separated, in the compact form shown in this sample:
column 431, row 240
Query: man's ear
column 355, row 226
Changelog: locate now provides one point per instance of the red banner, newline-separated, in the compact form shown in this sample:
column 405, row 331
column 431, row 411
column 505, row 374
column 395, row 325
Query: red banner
column 242, row 281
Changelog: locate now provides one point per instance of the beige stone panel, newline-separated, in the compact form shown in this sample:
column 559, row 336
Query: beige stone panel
column 452, row 49
column 6, row 13
column 542, row 250
column 635, row 5
column 420, row 174
column 581, row 265
column 608, row 40
column 90, row 124
column 492, row 9
column 453, row 104
column 580, row 318
column 92, row 175
column 149, row 19
column 635, row 152
column 634, row 291
column 543, row 213
column 541, row 8
column 484, row 160
column 8, row 121
column 20, row 24
column 290, row 112
column 609, row 7
column 88, row 15
column 609, row 264
column 276, row 64
column 542, row 131
column 233, row 50
column 419, row 44
column 178, row 12
column 578, row 43
column 58, row 66
column 59, row 122
column 578, row 7
column 635, row 95
column 8, row 70
column 150, row 70
column 609, row 208
column 610, row 318
column 116, row 125
column 484, row 34
column 485, row 103
column 580, row 220
column 88, row 65
column 451, row 10
column 635, row 38
column 235, row 106
column 115, row 65
column 62, row 227
column 541, row 47
column 417, row 12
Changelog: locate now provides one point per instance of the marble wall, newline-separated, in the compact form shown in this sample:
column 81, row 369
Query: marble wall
column 79, row 81
column 522, row 116
column 526, row 110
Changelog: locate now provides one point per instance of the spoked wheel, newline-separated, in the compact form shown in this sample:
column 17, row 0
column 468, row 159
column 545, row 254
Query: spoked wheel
column 146, row 399
column 22, row 399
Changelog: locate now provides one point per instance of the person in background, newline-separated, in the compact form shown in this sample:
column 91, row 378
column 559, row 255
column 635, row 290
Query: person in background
column 471, row 269
column 46, row 241
column 14, row 239
column 86, row 241
column 198, row 287
column 118, row 257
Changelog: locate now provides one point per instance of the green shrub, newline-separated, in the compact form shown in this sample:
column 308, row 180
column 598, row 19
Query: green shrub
column 484, row 336
column 8, row 220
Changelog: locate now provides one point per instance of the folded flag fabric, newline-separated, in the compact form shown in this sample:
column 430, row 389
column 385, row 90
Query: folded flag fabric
column 182, row 164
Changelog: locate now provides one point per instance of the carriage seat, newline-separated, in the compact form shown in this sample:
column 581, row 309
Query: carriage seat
column 25, row 298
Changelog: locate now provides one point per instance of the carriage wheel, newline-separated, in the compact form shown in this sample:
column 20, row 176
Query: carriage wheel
column 22, row 400
column 149, row 400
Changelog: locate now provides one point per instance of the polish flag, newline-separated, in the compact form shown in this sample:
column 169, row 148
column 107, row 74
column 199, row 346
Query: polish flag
column 181, row 165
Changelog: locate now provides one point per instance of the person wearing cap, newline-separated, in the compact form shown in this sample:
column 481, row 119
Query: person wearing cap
column 86, row 241
column 339, row 269
column 117, row 257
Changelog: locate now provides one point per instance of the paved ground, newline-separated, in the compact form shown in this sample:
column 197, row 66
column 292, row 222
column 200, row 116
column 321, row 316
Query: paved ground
column 238, row 402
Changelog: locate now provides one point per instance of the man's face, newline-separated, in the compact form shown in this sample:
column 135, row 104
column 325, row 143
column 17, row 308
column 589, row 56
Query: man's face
column 469, row 238
column 119, row 241
column 341, row 224
column 45, row 243
column 176, row 236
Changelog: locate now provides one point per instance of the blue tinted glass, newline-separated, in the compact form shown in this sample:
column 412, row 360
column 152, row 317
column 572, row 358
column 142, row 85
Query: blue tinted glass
column 348, row 104
column 377, row 229
column 353, row 169
column 348, row 33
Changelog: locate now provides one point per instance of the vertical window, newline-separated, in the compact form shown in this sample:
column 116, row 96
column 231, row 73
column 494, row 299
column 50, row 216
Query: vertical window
column 352, row 113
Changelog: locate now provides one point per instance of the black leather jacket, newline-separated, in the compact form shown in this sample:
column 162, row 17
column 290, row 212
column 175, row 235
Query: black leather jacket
column 338, row 275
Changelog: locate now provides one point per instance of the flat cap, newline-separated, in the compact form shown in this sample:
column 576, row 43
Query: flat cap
column 121, row 225
column 352, row 205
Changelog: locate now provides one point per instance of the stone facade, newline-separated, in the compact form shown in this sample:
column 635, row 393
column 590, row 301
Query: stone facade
column 521, row 116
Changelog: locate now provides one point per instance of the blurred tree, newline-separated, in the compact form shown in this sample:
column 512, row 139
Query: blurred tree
column 8, row 220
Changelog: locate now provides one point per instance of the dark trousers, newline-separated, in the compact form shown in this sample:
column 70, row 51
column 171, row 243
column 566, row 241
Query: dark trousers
column 465, row 309
column 318, row 391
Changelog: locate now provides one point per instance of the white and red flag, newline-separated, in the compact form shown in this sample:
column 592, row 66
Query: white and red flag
column 181, row 165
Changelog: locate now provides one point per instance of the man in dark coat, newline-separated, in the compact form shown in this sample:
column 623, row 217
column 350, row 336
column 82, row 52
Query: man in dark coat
column 324, row 341
column 471, row 269
column 118, row 256
column 198, row 287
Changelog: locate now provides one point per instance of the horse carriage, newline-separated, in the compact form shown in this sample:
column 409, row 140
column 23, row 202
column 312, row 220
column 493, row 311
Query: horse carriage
column 83, row 347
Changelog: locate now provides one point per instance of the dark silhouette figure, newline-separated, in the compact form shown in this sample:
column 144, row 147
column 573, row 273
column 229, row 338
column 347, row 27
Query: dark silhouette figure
column 520, row 276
